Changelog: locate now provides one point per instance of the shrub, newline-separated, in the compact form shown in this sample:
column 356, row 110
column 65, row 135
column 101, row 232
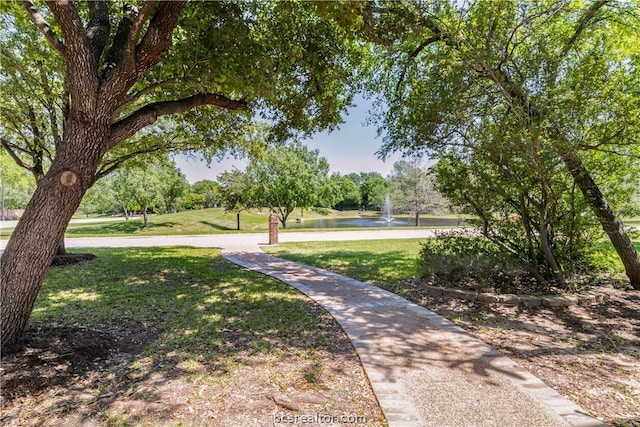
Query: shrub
column 454, row 255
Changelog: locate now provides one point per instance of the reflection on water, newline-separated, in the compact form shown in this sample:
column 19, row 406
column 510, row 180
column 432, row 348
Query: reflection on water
column 371, row 222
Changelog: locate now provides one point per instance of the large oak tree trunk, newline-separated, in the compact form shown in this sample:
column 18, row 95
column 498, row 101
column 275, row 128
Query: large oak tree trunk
column 94, row 97
column 37, row 236
column 610, row 223
column 28, row 255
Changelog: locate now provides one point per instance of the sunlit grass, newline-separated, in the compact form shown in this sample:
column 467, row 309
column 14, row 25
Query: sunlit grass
column 387, row 263
column 202, row 305
column 377, row 261
column 213, row 221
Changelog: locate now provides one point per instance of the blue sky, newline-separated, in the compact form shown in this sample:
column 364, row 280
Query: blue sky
column 351, row 148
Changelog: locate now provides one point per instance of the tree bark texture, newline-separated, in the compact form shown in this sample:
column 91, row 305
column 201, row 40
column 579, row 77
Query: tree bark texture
column 27, row 257
column 610, row 223
column 62, row 249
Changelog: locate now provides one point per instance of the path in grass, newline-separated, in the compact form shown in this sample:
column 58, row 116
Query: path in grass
column 424, row 370
column 598, row 370
column 146, row 336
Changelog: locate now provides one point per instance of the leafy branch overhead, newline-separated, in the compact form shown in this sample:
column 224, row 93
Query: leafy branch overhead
column 535, row 103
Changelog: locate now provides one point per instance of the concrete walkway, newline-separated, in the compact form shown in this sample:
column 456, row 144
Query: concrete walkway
column 245, row 241
column 424, row 370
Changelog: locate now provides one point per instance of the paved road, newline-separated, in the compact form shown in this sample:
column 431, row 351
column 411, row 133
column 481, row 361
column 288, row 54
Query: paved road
column 13, row 223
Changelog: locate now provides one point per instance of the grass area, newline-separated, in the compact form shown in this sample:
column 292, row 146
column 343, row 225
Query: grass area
column 178, row 336
column 378, row 261
column 202, row 221
column 386, row 263
column 207, row 221
column 203, row 306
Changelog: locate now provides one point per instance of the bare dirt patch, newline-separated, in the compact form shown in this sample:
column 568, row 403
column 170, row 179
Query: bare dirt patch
column 63, row 375
column 590, row 353
column 70, row 259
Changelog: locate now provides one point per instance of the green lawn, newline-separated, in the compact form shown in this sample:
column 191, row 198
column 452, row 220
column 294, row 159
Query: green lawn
column 203, row 306
column 387, row 262
column 202, row 221
column 177, row 336
column 205, row 221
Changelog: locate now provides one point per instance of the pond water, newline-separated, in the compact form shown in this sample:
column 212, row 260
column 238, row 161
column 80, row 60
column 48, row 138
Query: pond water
column 371, row 222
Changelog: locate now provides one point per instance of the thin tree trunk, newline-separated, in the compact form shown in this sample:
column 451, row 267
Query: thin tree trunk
column 126, row 212
column 145, row 217
column 417, row 219
column 610, row 223
column 238, row 220
column 62, row 249
column 549, row 256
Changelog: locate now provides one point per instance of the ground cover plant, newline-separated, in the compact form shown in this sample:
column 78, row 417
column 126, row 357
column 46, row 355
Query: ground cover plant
column 177, row 336
column 590, row 353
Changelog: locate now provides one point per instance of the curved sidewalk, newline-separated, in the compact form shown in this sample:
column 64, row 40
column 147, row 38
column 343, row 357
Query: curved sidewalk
column 424, row 370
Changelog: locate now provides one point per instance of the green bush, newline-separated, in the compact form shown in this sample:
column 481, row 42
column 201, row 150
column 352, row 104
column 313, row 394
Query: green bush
column 452, row 256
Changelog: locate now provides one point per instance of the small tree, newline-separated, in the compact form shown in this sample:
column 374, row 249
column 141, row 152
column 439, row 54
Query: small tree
column 237, row 192
column 173, row 185
column 288, row 177
column 339, row 192
column 210, row 192
column 412, row 189
column 373, row 188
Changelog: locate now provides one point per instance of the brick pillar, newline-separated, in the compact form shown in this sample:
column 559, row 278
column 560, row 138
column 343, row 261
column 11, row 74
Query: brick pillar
column 273, row 229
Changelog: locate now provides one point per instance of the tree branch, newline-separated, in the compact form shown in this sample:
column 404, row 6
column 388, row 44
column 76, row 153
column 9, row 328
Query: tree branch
column 111, row 165
column 49, row 105
column 412, row 56
column 122, row 53
column 129, row 100
column 148, row 114
column 136, row 60
column 9, row 148
column 582, row 24
column 98, row 27
column 157, row 39
column 136, row 27
column 81, row 66
column 116, row 51
column 44, row 27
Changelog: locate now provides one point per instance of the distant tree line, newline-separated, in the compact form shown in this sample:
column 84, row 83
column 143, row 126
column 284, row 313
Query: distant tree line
column 281, row 179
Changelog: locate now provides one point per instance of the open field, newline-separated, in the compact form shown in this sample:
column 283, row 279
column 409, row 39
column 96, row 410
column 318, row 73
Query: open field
column 205, row 221
column 591, row 354
column 178, row 336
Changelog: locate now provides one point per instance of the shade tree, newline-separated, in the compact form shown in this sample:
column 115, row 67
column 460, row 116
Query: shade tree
column 237, row 192
column 287, row 177
column 563, row 75
column 125, row 67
